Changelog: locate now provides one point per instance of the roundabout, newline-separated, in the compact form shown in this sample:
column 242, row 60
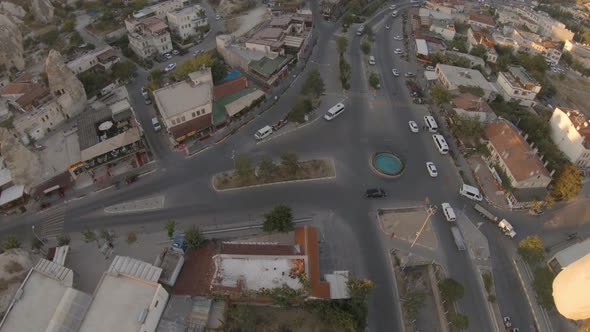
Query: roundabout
column 387, row 164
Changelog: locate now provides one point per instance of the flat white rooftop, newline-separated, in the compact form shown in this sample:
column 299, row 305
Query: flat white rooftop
column 256, row 273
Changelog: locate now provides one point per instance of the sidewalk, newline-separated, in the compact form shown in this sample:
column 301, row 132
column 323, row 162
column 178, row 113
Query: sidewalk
column 539, row 315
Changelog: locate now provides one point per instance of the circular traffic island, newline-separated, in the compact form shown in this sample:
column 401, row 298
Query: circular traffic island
column 387, row 164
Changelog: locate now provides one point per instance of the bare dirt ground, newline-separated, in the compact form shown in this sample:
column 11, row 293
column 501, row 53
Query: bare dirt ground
column 270, row 319
column 240, row 25
column 572, row 91
column 24, row 165
column 14, row 266
column 405, row 223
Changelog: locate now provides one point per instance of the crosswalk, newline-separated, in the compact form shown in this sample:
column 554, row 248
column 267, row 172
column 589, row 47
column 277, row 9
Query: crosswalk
column 52, row 224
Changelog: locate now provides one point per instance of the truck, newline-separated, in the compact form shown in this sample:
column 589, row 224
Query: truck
column 485, row 213
column 360, row 30
column 503, row 224
column 458, row 238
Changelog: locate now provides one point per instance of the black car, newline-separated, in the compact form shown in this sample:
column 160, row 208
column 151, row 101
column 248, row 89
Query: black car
column 375, row 193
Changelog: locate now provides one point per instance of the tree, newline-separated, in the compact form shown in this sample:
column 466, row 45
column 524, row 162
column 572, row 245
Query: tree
column 567, row 58
column 290, row 162
column 469, row 126
column 374, row 80
column 63, row 240
column 440, row 94
column 451, row 290
column 193, row 237
column 156, row 75
column 69, row 25
column 89, row 236
column 76, row 39
column 479, row 51
column 36, row 244
column 543, row 286
column 50, row 38
column 266, row 167
column 279, row 219
column 460, row 322
column 93, row 82
column 348, row 20
column 355, row 7
column 341, row 44
column 370, row 33
column 244, row 167
column 366, row 47
column 123, row 70
column 413, row 302
column 531, row 249
column 194, row 64
column 170, row 228
column 568, row 183
column 300, row 109
column 108, row 236
column 313, row 85
column 475, row 90
column 11, row 242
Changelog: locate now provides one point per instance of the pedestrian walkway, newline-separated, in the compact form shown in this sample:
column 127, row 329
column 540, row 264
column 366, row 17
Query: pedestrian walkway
column 52, row 225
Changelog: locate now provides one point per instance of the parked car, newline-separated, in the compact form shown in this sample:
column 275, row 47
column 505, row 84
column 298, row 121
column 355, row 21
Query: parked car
column 409, row 74
column 413, row 126
column 197, row 52
column 217, row 17
column 170, row 67
column 431, row 169
column 398, row 51
column 387, row 27
column 144, row 92
column 175, row 52
column 398, row 38
column 429, row 68
column 148, row 101
column 375, row 193
column 392, row 7
column 168, row 56
column 395, row 72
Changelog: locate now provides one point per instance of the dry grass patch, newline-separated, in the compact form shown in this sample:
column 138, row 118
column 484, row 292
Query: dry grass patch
column 308, row 170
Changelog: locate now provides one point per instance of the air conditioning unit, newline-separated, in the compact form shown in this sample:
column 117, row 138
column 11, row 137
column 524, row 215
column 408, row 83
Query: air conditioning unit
column 142, row 316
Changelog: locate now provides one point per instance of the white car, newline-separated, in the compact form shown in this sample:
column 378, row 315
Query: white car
column 170, row 67
column 197, row 52
column 409, row 74
column 168, row 56
column 398, row 38
column 144, row 92
column 395, row 72
column 448, row 212
column 393, row 15
column 413, row 126
column 392, row 7
column 387, row 27
column 218, row 17
column 429, row 68
column 175, row 52
column 431, row 169
column 398, row 51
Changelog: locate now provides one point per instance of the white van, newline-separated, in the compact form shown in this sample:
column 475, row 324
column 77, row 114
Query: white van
column 448, row 212
column 372, row 60
column 156, row 124
column 441, row 144
column 430, row 123
column 360, row 30
column 334, row 111
column 471, row 192
column 263, row 132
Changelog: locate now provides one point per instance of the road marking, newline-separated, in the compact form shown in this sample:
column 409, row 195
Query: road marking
column 52, row 225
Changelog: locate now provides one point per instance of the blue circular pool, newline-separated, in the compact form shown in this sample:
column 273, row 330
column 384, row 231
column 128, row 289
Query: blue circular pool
column 387, row 164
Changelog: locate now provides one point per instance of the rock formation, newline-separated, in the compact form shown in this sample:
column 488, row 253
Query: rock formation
column 64, row 85
column 12, row 9
column 11, row 39
column 42, row 10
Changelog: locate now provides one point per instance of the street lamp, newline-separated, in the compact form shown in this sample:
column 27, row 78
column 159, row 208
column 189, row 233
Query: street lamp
column 233, row 157
column 430, row 212
column 33, row 228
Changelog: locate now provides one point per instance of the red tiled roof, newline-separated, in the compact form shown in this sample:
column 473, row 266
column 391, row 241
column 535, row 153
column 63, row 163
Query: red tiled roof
column 16, row 88
column 232, row 86
column 37, row 91
column 257, row 249
column 484, row 19
column 197, row 272
column 307, row 238
column 471, row 102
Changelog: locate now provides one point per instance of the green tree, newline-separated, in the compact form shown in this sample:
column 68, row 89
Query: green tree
column 543, row 286
column 50, row 38
column 451, row 290
column 300, row 109
column 531, row 249
column 11, row 242
column 75, row 39
column 366, row 47
column 567, row 58
column 193, row 237
column 313, row 85
column 170, row 228
column 344, row 73
column 440, row 94
column 355, row 7
column 479, row 51
column 290, row 162
column 348, row 20
column 460, row 322
column 568, row 183
column 470, row 127
column 123, row 70
column 93, row 82
column 374, row 80
column 370, row 33
column 413, row 302
column 89, row 236
column 63, row 240
column 156, row 75
column 279, row 219
column 244, row 167
column 36, row 244
column 266, row 167
column 341, row 44
column 69, row 25
column 194, row 64
column 475, row 90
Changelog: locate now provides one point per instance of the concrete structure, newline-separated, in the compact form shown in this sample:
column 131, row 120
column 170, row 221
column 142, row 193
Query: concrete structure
column 170, row 261
column 473, row 60
column 511, row 152
column 472, row 106
column 541, row 23
column 477, row 35
column 184, row 22
column 443, row 6
column 481, row 20
column 188, row 313
column 527, row 42
column 128, row 298
column 46, row 301
column 427, row 16
column 571, row 133
column 186, row 107
column 11, row 39
column 97, row 60
column 568, row 256
column 445, row 30
column 160, row 9
column 452, row 78
column 578, row 51
column 516, row 84
column 148, row 36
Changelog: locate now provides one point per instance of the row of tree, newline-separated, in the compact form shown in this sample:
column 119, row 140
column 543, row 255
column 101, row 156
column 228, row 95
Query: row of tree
column 267, row 168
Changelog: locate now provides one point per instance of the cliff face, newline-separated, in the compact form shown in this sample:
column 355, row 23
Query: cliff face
column 11, row 39
column 64, row 85
column 42, row 10
column 12, row 9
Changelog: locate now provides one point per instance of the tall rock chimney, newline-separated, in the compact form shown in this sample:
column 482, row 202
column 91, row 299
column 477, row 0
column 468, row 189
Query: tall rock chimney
column 64, row 85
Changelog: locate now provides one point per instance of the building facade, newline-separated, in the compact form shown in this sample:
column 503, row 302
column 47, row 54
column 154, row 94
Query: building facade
column 571, row 133
column 517, row 84
column 101, row 60
column 578, row 51
column 148, row 36
column 452, row 78
column 185, row 21
column 543, row 24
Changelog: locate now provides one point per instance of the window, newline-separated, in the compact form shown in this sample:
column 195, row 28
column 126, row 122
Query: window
column 194, row 114
column 183, row 118
column 156, row 304
column 173, row 122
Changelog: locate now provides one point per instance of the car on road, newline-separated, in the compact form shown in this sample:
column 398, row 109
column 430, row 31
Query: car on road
column 263, row 132
column 197, row 52
column 431, row 169
column 217, row 17
column 387, row 27
column 175, row 52
column 448, row 212
column 394, row 14
column 398, row 51
column 334, row 111
column 168, row 56
column 375, row 193
column 398, row 38
column 392, row 7
column 170, row 67
column 429, row 68
column 148, row 101
column 395, row 72
column 409, row 74
column 413, row 126
column 144, row 92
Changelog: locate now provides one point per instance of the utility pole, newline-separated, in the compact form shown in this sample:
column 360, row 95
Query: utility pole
column 233, row 157
column 431, row 210
column 33, row 228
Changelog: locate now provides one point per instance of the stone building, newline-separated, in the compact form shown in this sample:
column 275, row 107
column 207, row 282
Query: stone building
column 11, row 39
column 64, row 85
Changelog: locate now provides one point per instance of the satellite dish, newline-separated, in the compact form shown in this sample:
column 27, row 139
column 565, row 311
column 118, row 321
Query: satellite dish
column 105, row 126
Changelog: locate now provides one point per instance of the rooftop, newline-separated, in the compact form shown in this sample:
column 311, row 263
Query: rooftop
column 269, row 33
column 171, row 261
column 481, row 18
column 516, row 153
column 518, row 76
column 464, row 76
column 123, row 139
column 62, row 149
column 266, row 66
column 579, row 121
column 90, row 55
column 181, row 97
column 572, row 253
column 11, row 194
column 307, row 238
column 219, row 110
column 87, row 128
column 154, row 24
column 185, row 313
column 471, row 102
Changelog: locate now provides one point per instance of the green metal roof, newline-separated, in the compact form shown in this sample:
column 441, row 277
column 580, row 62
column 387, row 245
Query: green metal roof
column 267, row 67
column 219, row 114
